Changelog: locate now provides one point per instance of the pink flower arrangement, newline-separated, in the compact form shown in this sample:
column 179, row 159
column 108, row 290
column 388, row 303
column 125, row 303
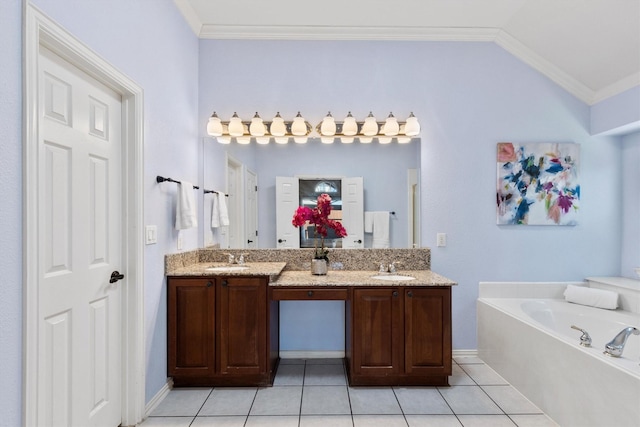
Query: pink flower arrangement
column 319, row 216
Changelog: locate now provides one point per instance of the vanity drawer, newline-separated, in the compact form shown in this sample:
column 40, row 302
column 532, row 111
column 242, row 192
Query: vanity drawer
column 299, row 294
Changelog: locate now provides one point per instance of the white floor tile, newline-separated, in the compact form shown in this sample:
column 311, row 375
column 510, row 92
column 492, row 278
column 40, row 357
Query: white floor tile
column 486, row 421
column 182, row 402
column 325, row 400
column 325, row 375
column 229, row 401
column 469, row 400
column 289, row 375
column 326, row 421
column 460, row 377
column 483, row 375
column 510, row 400
column 167, row 422
column 272, row 421
column 379, row 421
column 321, row 361
column 373, row 401
column 219, row 421
column 421, row 400
column 539, row 420
column 433, row 421
column 282, row 400
column 314, row 393
column 466, row 360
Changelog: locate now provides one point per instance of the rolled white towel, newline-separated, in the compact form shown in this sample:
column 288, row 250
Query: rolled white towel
column 592, row 297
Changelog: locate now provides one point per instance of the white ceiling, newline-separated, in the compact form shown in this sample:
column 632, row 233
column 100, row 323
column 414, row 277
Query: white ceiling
column 589, row 47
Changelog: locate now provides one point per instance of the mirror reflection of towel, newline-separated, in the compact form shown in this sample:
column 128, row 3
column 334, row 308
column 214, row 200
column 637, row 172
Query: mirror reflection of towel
column 219, row 211
column 377, row 222
column 186, row 215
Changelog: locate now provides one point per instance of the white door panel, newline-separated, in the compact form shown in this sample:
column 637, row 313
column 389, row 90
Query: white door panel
column 353, row 212
column 251, row 209
column 80, row 215
column 287, row 201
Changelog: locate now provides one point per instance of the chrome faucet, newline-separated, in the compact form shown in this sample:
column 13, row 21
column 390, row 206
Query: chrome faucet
column 616, row 345
column 585, row 339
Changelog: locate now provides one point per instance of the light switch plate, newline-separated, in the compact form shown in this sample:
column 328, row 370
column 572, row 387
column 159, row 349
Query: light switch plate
column 151, row 234
column 441, row 239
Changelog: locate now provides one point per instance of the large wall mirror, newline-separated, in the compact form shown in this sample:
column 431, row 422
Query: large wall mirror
column 248, row 173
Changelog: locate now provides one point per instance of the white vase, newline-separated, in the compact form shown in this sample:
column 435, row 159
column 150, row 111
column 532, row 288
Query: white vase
column 319, row 267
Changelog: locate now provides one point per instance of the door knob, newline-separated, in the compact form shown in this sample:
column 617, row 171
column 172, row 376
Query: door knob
column 249, row 241
column 280, row 240
column 357, row 241
column 115, row 276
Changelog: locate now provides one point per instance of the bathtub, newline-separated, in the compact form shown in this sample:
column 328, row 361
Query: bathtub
column 529, row 342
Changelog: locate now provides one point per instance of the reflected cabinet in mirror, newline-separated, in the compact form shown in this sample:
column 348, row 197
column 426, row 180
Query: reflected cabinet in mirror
column 378, row 187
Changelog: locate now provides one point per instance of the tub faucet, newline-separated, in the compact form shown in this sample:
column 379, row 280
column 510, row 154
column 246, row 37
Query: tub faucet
column 616, row 345
column 585, row 339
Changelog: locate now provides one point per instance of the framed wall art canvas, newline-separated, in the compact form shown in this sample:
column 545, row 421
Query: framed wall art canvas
column 538, row 183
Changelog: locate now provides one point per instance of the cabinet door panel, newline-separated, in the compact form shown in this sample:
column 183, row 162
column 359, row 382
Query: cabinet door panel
column 427, row 331
column 242, row 310
column 377, row 331
column 191, row 324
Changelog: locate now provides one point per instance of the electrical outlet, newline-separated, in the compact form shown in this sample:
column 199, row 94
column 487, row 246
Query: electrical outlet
column 441, row 239
column 151, row 235
column 180, row 240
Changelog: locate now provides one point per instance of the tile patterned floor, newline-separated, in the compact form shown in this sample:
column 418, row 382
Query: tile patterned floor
column 315, row 393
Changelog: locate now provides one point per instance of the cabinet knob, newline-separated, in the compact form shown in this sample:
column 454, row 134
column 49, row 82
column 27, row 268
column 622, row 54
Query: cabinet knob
column 209, row 284
column 410, row 294
column 225, row 283
column 310, row 293
column 395, row 293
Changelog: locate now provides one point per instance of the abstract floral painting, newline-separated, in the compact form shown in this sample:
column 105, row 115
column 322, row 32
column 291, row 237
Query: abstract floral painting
column 538, row 183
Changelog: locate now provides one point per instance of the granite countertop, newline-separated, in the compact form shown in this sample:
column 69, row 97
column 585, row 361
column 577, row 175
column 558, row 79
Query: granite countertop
column 279, row 277
column 271, row 269
column 359, row 278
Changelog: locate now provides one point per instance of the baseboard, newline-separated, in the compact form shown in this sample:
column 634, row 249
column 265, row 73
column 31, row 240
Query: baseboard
column 465, row 353
column 301, row 354
column 159, row 397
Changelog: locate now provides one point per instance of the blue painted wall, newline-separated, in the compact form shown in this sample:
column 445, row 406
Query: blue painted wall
column 468, row 97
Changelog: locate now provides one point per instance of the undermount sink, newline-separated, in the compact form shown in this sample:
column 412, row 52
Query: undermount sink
column 392, row 277
column 228, row 268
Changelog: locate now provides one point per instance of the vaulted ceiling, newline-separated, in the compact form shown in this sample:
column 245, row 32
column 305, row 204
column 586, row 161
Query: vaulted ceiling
column 589, row 47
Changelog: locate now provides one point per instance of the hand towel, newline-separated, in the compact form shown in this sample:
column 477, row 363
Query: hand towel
column 378, row 223
column 592, row 297
column 219, row 212
column 368, row 222
column 186, row 211
column 224, row 212
column 215, row 211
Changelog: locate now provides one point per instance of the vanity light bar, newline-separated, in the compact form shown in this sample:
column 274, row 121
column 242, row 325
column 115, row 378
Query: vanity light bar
column 300, row 130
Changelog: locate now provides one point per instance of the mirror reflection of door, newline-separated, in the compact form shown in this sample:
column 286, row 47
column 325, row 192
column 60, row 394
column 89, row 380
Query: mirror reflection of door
column 347, row 207
column 251, row 209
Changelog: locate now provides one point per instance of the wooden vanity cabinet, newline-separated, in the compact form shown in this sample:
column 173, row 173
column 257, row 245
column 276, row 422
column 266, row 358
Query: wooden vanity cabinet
column 399, row 336
column 221, row 331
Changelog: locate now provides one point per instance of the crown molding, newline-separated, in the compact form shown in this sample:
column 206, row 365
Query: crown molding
column 529, row 57
column 322, row 32
column 190, row 15
column 618, row 87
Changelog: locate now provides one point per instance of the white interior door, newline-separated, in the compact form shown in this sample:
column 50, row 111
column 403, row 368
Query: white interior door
column 235, row 230
column 353, row 212
column 287, row 201
column 79, row 220
column 251, row 209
